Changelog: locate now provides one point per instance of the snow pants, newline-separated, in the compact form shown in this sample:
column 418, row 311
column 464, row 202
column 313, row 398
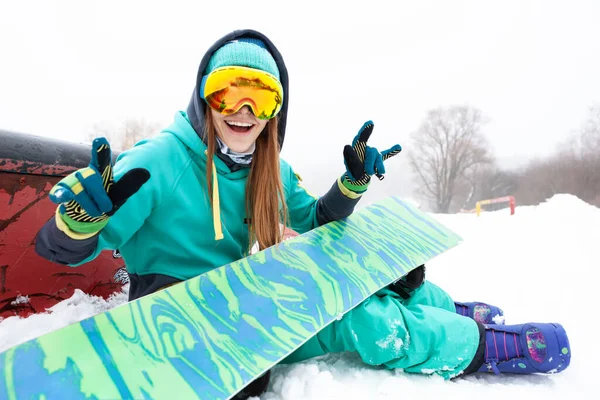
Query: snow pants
column 422, row 334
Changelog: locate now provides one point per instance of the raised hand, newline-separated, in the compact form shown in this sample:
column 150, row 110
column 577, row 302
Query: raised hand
column 89, row 196
column 363, row 161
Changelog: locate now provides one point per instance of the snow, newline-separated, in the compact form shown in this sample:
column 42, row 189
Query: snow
column 539, row 265
column 393, row 339
column 14, row 330
column 20, row 300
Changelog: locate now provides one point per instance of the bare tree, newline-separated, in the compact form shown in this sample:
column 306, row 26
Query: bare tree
column 585, row 151
column 590, row 133
column 124, row 135
column 490, row 182
column 447, row 148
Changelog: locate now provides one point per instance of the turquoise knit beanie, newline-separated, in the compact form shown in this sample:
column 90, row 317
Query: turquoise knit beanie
column 244, row 52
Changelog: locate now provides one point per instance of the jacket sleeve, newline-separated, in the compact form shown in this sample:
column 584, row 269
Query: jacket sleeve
column 307, row 211
column 57, row 243
column 54, row 245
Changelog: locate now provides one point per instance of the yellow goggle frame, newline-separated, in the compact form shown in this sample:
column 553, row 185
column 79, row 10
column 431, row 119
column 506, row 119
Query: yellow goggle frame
column 228, row 89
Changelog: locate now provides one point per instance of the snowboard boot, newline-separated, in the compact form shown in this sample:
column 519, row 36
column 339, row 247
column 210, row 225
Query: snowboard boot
column 524, row 349
column 481, row 312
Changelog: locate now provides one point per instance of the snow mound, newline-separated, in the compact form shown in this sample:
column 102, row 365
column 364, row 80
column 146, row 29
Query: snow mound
column 16, row 330
column 567, row 203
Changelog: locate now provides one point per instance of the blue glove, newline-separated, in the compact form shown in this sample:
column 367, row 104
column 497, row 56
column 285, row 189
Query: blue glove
column 363, row 161
column 89, row 196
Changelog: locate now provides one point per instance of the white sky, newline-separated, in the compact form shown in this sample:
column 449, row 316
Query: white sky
column 530, row 66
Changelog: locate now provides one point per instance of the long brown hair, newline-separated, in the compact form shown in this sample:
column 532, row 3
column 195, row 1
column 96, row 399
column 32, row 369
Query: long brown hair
column 265, row 201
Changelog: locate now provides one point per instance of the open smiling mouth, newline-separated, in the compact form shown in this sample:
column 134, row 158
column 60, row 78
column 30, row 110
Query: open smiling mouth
column 239, row 127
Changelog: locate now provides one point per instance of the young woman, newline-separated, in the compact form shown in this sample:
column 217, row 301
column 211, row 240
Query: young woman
column 203, row 191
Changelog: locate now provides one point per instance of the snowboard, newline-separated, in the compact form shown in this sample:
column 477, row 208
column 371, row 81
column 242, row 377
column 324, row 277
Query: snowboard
column 212, row 335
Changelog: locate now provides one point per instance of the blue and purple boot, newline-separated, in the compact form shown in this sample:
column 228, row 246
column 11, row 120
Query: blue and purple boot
column 481, row 312
column 525, row 349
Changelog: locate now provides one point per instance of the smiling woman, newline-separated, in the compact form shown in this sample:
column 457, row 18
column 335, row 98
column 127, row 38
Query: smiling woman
column 241, row 86
column 201, row 193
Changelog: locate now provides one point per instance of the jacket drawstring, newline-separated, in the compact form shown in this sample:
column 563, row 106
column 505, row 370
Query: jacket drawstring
column 216, row 208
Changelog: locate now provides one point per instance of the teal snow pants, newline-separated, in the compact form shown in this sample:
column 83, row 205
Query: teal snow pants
column 422, row 334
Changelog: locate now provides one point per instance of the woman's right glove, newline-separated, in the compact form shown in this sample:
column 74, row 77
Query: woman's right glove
column 89, row 196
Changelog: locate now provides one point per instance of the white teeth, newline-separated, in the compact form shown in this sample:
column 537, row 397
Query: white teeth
column 236, row 123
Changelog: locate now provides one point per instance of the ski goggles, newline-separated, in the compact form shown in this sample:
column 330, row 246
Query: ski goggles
column 228, row 89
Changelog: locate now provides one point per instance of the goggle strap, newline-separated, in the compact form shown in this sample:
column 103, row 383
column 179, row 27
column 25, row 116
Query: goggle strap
column 202, row 86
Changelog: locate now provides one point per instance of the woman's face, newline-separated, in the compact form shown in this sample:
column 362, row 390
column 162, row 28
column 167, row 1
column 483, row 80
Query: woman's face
column 240, row 130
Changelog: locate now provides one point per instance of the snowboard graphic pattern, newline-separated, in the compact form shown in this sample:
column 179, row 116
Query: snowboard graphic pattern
column 212, row 335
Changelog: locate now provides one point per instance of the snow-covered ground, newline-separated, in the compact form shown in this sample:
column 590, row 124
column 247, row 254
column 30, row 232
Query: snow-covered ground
column 539, row 265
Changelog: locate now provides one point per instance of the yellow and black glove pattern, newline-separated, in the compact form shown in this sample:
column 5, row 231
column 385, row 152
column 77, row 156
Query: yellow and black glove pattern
column 363, row 161
column 89, row 196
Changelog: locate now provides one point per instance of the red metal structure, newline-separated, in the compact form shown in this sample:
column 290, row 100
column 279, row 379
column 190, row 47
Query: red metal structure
column 29, row 167
column 506, row 199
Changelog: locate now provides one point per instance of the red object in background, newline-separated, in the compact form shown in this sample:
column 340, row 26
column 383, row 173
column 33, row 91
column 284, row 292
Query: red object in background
column 512, row 204
column 29, row 167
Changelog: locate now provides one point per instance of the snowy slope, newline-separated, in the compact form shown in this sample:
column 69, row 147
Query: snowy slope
column 538, row 265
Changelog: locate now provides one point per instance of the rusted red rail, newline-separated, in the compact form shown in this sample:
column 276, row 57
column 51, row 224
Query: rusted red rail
column 29, row 167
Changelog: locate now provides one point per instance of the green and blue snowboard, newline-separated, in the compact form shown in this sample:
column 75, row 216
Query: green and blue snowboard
column 211, row 336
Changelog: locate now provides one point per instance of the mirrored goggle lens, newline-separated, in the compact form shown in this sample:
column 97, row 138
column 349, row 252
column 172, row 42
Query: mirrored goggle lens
column 228, row 89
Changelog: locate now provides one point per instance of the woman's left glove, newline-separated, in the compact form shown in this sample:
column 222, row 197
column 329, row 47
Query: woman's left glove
column 363, row 161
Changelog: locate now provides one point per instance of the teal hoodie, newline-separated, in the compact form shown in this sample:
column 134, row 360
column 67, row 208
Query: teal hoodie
column 168, row 231
column 169, row 227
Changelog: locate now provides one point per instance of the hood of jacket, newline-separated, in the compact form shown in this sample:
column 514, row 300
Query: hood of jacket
column 197, row 107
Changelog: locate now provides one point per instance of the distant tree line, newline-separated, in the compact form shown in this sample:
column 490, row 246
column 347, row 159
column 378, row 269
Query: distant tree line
column 454, row 164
